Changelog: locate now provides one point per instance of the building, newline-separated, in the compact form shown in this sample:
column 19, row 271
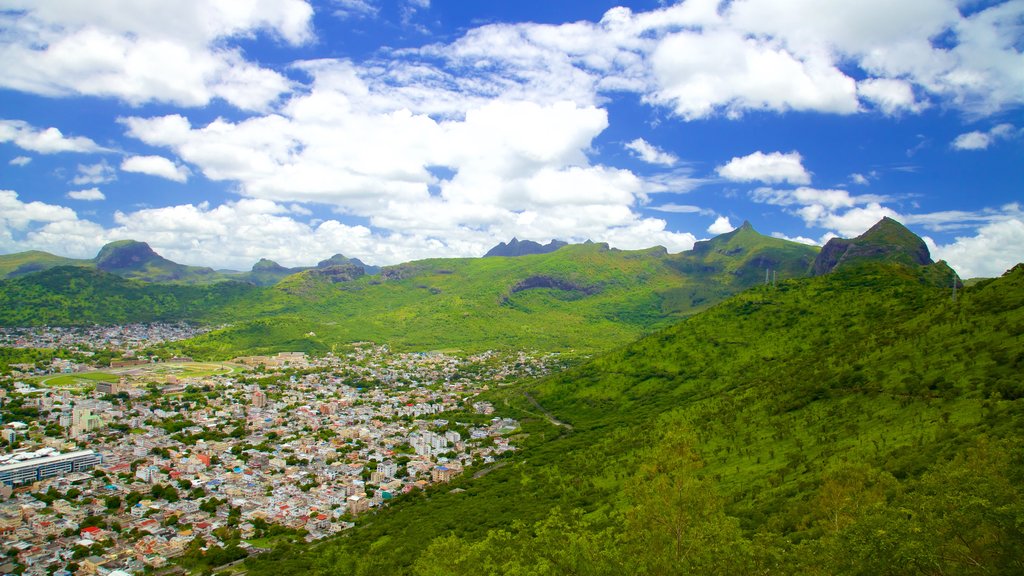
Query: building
column 112, row 387
column 259, row 399
column 84, row 421
column 27, row 470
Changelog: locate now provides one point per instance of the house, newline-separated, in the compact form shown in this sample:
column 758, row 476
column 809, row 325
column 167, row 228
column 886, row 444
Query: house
column 93, row 533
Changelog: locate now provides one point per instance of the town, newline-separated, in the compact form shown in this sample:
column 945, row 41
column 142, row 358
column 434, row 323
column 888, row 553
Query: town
column 198, row 467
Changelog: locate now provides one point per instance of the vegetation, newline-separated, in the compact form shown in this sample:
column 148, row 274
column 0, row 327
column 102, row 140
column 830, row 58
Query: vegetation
column 583, row 297
column 859, row 422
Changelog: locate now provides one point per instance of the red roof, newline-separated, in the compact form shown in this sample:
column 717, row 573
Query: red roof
column 91, row 530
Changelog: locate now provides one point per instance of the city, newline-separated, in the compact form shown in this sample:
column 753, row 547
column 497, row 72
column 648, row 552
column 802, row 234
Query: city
column 158, row 466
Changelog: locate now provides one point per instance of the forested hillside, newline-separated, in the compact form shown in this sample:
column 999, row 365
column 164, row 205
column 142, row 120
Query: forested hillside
column 862, row 422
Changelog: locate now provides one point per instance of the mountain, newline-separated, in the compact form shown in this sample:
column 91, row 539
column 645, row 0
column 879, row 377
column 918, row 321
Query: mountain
column 735, row 261
column 886, row 241
column 137, row 261
column 340, row 260
column 858, row 422
column 517, row 247
column 265, row 273
column 582, row 298
column 22, row 263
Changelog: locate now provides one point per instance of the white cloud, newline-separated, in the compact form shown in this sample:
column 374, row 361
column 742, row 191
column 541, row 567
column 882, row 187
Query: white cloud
column 346, row 9
column 99, row 173
column 972, row 141
column 44, row 141
column 859, row 179
column 510, row 168
column 744, row 74
column 17, row 216
column 89, row 194
column 721, row 225
column 156, row 166
column 978, row 140
column 650, row 153
column 147, row 52
column 800, row 239
column 832, row 209
column 769, row 168
column 20, row 161
column 890, row 96
column 994, row 249
column 683, row 209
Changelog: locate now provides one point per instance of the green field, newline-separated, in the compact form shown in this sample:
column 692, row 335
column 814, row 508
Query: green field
column 156, row 372
column 79, row 380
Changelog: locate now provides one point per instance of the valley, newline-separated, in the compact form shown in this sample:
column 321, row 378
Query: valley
column 751, row 406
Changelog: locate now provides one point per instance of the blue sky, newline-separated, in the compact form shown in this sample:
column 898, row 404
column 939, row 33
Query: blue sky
column 224, row 131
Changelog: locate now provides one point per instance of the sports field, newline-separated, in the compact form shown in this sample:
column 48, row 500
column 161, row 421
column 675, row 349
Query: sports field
column 161, row 372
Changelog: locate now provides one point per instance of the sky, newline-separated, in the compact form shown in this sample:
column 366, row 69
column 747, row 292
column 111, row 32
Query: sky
column 225, row 131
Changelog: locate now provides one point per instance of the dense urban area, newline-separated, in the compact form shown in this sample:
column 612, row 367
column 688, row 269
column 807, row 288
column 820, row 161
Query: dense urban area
column 117, row 461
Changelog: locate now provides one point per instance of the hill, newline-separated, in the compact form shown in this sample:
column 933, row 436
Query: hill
column 137, row 261
column 860, row 422
column 737, row 260
column 22, row 263
column 71, row 295
column 583, row 297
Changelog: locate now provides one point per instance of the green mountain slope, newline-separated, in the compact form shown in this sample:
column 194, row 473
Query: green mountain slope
column 68, row 295
column 734, row 261
column 22, row 263
column 584, row 297
column 860, row 422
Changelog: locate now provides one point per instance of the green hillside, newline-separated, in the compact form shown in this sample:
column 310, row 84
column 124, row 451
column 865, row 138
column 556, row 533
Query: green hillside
column 583, row 297
column 860, row 422
column 22, row 263
column 69, row 295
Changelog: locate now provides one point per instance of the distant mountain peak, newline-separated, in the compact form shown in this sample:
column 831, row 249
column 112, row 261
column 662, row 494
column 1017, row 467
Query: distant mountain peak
column 267, row 265
column 517, row 247
column 126, row 254
column 886, row 241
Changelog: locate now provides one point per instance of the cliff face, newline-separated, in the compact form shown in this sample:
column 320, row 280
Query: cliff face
column 886, row 241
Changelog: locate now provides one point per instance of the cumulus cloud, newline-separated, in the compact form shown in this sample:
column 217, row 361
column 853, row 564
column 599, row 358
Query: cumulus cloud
column 147, row 52
column 20, row 161
column 721, row 225
column 44, row 141
column 504, row 168
column 800, row 239
column 89, row 194
column 16, row 217
column 769, row 168
column 889, row 95
column 650, row 153
column 993, row 250
column 833, row 209
column 99, row 173
column 978, row 140
column 156, row 166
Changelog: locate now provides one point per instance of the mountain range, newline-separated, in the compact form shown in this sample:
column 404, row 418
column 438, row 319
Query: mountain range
column 138, row 261
column 583, row 297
